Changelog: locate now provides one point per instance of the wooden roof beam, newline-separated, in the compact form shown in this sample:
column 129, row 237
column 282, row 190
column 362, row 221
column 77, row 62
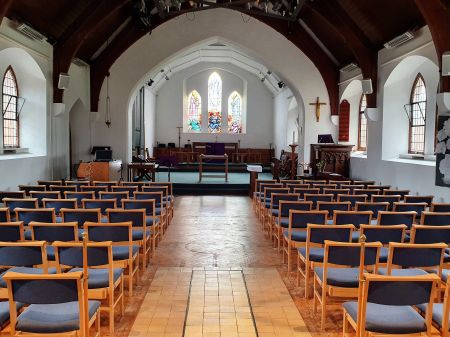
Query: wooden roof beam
column 72, row 39
column 4, row 6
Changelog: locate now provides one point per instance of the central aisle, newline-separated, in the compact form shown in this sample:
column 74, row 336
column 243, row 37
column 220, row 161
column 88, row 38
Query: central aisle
column 216, row 276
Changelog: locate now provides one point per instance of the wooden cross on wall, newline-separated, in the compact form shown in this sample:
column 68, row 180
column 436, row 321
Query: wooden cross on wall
column 317, row 104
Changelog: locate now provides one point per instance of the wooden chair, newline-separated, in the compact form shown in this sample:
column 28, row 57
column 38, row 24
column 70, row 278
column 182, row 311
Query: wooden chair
column 127, row 188
column 47, row 183
column 160, row 206
column 365, row 183
column 67, row 307
column 102, row 204
column 396, row 218
column 35, row 214
column 12, row 231
column 435, row 218
column 4, row 214
column 420, row 198
column 81, row 216
column 293, row 186
column 368, row 192
column 125, row 253
column 95, row 189
column 352, row 198
column 302, row 191
column 352, row 187
column 274, row 210
column 387, row 198
column 321, row 187
column 355, row 218
column 12, row 194
column 335, row 279
column 266, row 206
column 39, row 195
column 154, row 219
column 57, row 204
column 401, row 193
column 118, row 196
column 79, row 196
column 375, row 207
column 339, row 183
column 395, row 296
column 379, row 187
column 78, row 184
column 105, row 282
column 312, row 182
column 336, row 192
column 28, row 188
column 332, row 206
column 138, row 184
column 62, row 189
column 108, row 184
column 312, row 254
column 258, row 195
column 167, row 199
column 440, row 207
column 417, row 207
column 315, row 198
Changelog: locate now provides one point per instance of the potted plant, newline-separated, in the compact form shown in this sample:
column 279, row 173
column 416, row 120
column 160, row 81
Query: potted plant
column 321, row 165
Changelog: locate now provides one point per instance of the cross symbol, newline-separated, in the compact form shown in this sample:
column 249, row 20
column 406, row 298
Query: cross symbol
column 317, row 104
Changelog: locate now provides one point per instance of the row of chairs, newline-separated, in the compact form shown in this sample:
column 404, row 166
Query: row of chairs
column 116, row 241
column 326, row 242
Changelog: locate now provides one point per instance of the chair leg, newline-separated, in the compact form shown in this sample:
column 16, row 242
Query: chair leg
column 323, row 313
column 307, row 276
column 122, row 300
column 345, row 325
column 111, row 312
column 289, row 257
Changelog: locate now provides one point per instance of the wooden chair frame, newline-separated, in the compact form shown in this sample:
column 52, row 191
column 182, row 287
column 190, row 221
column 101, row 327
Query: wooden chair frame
column 331, row 215
column 18, row 224
column 6, row 211
column 431, row 214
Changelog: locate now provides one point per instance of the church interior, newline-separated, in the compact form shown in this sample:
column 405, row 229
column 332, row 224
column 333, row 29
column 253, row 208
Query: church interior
column 211, row 168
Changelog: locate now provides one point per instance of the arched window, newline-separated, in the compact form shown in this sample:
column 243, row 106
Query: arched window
column 417, row 111
column 194, row 112
column 234, row 113
column 214, row 103
column 362, row 124
column 10, row 94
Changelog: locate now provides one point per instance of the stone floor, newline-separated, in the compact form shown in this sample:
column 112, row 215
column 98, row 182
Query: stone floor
column 215, row 274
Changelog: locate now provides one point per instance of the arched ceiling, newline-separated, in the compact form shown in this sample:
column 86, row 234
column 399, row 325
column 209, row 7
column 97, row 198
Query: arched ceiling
column 99, row 31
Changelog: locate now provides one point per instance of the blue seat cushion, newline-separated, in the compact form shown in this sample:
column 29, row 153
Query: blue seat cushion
column 51, row 253
column 403, row 272
column 275, row 212
column 389, row 319
column 150, row 221
column 99, row 278
column 384, row 253
column 298, row 236
column 284, row 222
column 4, row 311
column 340, row 277
column 24, row 270
column 59, row 219
column 53, row 318
column 138, row 234
column 374, row 221
column 446, row 258
column 315, row 254
column 267, row 205
column 355, row 236
column 27, row 234
column 438, row 312
column 121, row 252
column 445, row 273
column 329, row 221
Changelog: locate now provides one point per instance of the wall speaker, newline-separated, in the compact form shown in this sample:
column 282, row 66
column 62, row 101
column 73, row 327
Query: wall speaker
column 446, row 63
column 367, row 86
column 63, row 82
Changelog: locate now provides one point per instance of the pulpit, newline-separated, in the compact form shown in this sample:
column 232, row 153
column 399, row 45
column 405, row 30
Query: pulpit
column 335, row 156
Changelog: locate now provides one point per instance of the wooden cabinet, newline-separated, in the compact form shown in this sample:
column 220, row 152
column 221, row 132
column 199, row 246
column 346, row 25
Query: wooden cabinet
column 336, row 157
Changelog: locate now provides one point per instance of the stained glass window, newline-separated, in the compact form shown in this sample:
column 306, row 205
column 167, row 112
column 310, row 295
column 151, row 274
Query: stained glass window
column 214, row 103
column 10, row 113
column 194, row 112
column 234, row 113
column 417, row 116
column 362, row 124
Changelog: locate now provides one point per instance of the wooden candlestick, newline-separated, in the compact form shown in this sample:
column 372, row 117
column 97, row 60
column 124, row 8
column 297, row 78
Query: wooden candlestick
column 293, row 166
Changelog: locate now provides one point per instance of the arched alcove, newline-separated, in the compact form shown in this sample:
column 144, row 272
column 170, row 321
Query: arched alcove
column 352, row 94
column 80, row 137
column 397, row 94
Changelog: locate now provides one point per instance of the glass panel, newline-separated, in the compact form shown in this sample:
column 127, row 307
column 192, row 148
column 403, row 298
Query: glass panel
column 362, row 141
column 417, row 117
column 194, row 112
column 234, row 113
column 10, row 117
column 214, row 103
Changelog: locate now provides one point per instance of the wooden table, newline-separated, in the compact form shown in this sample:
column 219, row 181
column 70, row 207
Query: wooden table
column 203, row 157
column 145, row 170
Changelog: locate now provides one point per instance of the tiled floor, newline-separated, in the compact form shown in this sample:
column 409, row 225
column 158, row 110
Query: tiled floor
column 214, row 254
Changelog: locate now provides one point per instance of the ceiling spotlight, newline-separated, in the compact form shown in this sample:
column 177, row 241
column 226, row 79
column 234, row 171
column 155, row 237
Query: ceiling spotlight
column 150, row 82
column 281, row 84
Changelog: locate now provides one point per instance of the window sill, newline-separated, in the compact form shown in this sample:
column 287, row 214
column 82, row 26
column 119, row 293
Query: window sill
column 423, row 162
column 19, row 156
column 359, row 154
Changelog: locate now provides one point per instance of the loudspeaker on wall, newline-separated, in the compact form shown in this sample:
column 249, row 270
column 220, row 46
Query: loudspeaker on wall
column 367, row 86
column 63, row 82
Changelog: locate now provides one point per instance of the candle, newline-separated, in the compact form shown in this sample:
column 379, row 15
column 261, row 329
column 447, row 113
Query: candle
column 293, row 137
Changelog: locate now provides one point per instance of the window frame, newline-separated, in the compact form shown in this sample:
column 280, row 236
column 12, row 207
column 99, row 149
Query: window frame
column 359, row 147
column 199, row 113
column 411, row 103
column 230, row 112
column 17, row 119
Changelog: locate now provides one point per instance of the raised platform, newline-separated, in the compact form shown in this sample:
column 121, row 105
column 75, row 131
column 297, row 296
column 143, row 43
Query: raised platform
column 212, row 167
column 186, row 183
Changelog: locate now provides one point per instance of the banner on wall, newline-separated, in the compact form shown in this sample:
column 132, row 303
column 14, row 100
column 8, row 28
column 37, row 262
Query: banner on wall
column 443, row 152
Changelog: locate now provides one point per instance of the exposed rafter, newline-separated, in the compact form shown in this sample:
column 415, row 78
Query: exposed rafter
column 4, row 6
column 72, row 39
column 437, row 16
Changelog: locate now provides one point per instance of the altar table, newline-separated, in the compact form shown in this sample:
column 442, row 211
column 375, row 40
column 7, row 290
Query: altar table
column 204, row 157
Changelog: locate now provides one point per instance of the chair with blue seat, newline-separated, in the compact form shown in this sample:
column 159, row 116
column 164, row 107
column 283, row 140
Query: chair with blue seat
column 118, row 196
column 62, row 188
column 64, row 231
column 410, row 259
column 28, row 188
column 160, row 206
column 386, row 306
column 81, row 216
column 440, row 207
column 78, row 184
column 57, row 305
column 125, row 253
column 28, row 215
column 375, row 207
column 352, row 187
column 312, row 254
column 401, row 193
column 23, row 257
column 365, row 183
column 45, row 194
column 352, row 198
column 144, row 235
column 379, row 187
column 322, row 187
column 130, row 189
column 167, row 184
column 339, row 183
column 282, row 220
column 355, row 218
column 343, row 267
column 257, row 192
column 108, row 184
column 166, row 197
column 4, row 214
column 430, row 234
column 368, row 192
column 315, row 198
column 417, row 207
column 11, row 231
column 260, row 193
column 266, row 206
column 274, row 210
column 105, row 282
column 57, row 204
column 295, row 235
column 428, row 199
column 387, row 198
column 332, row 206
column 79, row 196
column 311, row 182
column 302, row 191
column 152, row 215
column 286, row 182
column 102, row 204
column 11, row 194
column 13, row 203
column 139, row 184
column 385, row 235
column 95, row 189
column 336, row 191
column 48, row 183
column 293, row 186
column 435, row 218
column 396, row 218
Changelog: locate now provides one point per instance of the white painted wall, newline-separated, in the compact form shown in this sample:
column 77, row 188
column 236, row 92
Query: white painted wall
column 352, row 94
column 149, row 119
column 257, row 105
column 174, row 36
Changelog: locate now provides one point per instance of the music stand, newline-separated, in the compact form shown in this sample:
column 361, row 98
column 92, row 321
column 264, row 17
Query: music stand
column 169, row 161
